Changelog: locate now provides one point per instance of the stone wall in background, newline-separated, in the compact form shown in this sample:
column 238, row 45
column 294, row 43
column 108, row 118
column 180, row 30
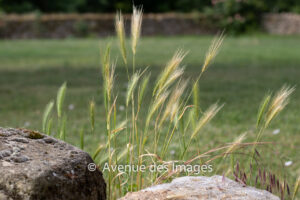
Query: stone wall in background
column 98, row 25
column 282, row 24
column 101, row 25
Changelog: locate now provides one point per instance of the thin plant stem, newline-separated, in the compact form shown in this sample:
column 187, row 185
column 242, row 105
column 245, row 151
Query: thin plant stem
column 262, row 129
column 127, row 72
column 133, row 63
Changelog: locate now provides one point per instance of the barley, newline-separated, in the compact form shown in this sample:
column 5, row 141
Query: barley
column 278, row 103
column 136, row 23
column 155, row 106
column 171, row 66
column 105, row 61
column 262, row 109
column 175, row 75
column 109, row 80
column 172, row 106
column 119, row 25
column 213, row 51
column 142, row 89
column 207, row 116
column 235, row 144
column 131, row 87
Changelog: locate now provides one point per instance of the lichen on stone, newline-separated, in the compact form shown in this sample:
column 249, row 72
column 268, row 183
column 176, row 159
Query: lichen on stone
column 32, row 134
column 35, row 135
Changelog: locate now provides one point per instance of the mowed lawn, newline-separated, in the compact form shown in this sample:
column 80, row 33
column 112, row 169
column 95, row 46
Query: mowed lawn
column 246, row 68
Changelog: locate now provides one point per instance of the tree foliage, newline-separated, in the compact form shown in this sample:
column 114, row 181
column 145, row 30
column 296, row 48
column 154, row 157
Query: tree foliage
column 51, row 6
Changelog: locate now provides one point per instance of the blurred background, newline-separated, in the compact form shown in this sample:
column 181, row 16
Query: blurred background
column 44, row 43
column 204, row 16
column 41, row 18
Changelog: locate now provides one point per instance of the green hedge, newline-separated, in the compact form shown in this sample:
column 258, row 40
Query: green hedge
column 50, row 6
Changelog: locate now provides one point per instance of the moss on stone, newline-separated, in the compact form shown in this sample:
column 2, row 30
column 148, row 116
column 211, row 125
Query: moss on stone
column 31, row 134
column 35, row 135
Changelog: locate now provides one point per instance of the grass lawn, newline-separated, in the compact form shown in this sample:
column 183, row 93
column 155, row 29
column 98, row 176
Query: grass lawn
column 246, row 69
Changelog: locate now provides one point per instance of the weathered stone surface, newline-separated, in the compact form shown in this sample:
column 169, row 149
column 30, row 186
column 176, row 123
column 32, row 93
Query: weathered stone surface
column 201, row 187
column 35, row 166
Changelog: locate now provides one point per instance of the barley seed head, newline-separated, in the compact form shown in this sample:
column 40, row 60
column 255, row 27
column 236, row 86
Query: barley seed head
column 235, row 144
column 131, row 86
column 172, row 106
column 136, row 24
column 156, row 105
column 206, row 117
column 109, row 79
column 173, row 76
column 280, row 100
column 213, row 51
column 168, row 71
column 119, row 25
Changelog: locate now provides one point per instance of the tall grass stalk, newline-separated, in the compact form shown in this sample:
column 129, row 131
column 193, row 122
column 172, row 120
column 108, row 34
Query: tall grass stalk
column 296, row 188
column 120, row 30
column 170, row 73
column 156, row 113
column 108, row 74
column 136, row 25
column 267, row 114
column 213, row 51
column 92, row 115
column 206, row 117
column 62, row 131
column 230, row 151
column 49, row 126
column 119, row 25
column 60, row 99
column 82, row 138
column 46, row 115
column 210, row 55
column 196, row 100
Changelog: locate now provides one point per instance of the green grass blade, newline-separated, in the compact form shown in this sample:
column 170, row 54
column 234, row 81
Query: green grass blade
column 49, row 126
column 62, row 134
column 196, row 99
column 98, row 150
column 60, row 98
column 262, row 109
column 131, row 87
column 296, row 188
column 47, row 114
column 82, row 138
column 92, row 115
column 143, row 88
